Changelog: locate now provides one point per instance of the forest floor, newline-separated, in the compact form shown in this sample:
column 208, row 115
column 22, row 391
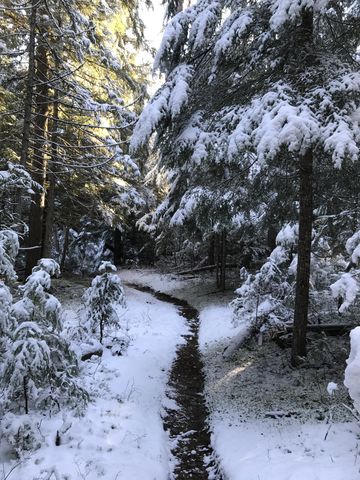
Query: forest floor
column 266, row 420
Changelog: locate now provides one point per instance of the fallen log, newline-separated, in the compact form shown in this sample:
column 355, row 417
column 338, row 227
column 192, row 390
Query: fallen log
column 331, row 329
column 88, row 355
column 206, row 267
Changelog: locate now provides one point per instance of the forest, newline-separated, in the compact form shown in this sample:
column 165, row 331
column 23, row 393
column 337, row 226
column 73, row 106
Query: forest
column 179, row 239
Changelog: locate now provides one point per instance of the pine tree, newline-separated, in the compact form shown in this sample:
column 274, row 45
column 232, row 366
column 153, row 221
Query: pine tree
column 104, row 300
column 40, row 368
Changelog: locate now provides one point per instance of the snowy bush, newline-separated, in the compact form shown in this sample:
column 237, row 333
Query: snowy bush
column 40, row 367
column 9, row 248
column 347, row 287
column 7, row 319
column 352, row 371
column 264, row 299
column 21, row 433
column 103, row 300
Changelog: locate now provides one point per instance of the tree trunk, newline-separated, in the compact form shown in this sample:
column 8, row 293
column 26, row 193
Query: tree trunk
column 305, row 59
column 223, row 261
column 271, row 238
column 26, row 399
column 50, row 200
column 65, row 248
column 211, row 251
column 118, row 247
column 217, row 258
column 304, row 257
column 38, row 165
column 25, row 139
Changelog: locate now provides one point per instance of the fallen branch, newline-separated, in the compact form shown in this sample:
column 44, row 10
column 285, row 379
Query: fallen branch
column 206, row 267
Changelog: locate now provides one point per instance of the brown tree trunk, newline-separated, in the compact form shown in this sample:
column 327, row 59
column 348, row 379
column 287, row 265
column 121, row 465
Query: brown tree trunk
column 118, row 247
column 25, row 138
column 217, row 258
column 211, row 251
column 50, row 200
column 26, row 398
column 304, row 257
column 223, row 261
column 305, row 59
column 38, row 165
column 65, row 248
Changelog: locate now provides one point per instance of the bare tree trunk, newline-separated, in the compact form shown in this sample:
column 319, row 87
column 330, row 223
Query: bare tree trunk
column 65, row 248
column 211, row 251
column 118, row 247
column 35, row 236
column 223, row 261
column 50, row 203
column 306, row 59
column 217, row 258
column 304, row 258
column 25, row 139
column 26, row 399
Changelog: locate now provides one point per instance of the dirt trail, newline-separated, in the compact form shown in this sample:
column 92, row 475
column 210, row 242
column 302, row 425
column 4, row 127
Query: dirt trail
column 187, row 425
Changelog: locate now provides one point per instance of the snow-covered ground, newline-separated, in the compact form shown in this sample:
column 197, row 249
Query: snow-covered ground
column 269, row 422
column 121, row 435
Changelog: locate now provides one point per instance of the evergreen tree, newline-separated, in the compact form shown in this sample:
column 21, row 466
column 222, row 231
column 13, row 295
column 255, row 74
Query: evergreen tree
column 103, row 300
column 72, row 85
column 250, row 86
column 40, row 368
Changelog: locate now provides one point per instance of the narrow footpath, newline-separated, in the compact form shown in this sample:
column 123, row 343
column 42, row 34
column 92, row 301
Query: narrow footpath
column 187, row 425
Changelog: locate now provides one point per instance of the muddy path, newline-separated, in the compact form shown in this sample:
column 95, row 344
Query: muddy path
column 187, row 425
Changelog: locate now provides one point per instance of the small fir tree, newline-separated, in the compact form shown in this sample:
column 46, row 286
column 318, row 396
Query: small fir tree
column 103, row 300
column 40, row 367
column 265, row 299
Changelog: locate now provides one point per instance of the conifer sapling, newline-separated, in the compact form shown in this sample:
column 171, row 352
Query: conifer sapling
column 103, row 299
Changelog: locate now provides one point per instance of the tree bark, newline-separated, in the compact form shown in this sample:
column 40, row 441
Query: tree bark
column 223, row 261
column 304, row 258
column 305, row 59
column 211, row 251
column 118, row 247
column 25, row 139
column 65, row 248
column 26, row 399
column 50, row 200
column 38, row 165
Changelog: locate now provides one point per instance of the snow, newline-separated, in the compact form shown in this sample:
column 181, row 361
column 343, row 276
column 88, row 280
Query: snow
column 168, row 101
column 352, row 371
column 260, row 423
column 332, row 386
column 285, row 10
column 352, row 246
column 346, row 290
column 121, row 433
column 215, row 324
column 233, row 28
column 258, row 451
column 250, row 395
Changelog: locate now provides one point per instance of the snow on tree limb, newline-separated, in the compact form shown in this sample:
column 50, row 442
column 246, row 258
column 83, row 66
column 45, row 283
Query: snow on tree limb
column 168, row 101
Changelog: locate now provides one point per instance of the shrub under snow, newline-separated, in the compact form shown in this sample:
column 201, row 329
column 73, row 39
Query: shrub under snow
column 352, row 371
